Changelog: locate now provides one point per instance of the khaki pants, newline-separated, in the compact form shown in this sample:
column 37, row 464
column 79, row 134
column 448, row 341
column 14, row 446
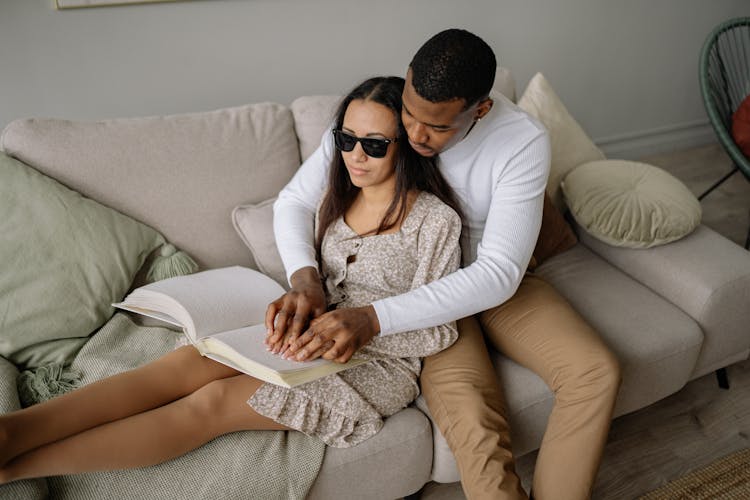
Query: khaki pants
column 538, row 329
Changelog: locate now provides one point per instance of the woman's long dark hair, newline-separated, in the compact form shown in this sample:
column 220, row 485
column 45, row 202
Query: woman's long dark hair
column 412, row 170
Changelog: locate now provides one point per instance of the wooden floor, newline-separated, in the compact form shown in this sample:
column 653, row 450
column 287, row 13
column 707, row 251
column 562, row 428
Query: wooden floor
column 701, row 422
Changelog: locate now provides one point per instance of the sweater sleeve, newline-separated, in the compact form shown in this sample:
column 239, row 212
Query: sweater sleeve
column 438, row 254
column 508, row 240
column 294, row 210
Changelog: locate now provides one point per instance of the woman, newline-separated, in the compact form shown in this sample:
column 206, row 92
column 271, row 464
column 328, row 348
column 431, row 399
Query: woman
column 382, row 230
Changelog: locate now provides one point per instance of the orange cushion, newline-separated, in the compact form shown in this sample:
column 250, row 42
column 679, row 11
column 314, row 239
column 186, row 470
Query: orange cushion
column 741, row 126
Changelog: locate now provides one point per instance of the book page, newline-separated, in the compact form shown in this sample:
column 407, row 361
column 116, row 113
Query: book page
column 220, row 299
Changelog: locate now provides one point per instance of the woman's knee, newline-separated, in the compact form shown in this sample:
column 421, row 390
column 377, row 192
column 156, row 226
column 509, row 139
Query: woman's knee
column 193, row 369
column 206, row 404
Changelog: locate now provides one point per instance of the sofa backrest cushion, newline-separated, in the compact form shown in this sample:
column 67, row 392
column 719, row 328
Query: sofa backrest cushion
column 312, row 117
column 180, row 174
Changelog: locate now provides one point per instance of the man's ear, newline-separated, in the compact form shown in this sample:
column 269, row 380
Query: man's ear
column 483, row 107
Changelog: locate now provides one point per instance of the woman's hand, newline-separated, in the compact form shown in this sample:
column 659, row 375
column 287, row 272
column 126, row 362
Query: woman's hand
column 336, row 335
column 289, row 315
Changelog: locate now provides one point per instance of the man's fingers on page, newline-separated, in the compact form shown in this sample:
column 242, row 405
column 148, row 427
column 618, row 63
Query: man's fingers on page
column 320, row 351
column 302, row 340
column 333, row 352
column 346, row 356
column 298, row 323
column 317, row 341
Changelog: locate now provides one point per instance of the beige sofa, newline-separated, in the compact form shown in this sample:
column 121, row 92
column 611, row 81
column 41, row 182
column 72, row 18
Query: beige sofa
column 670, row 313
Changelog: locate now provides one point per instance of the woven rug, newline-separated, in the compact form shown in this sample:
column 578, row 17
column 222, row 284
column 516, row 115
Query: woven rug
column 726, row 479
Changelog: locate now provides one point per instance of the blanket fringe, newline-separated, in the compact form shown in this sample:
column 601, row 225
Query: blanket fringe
column 170, row 263
column 46, row 382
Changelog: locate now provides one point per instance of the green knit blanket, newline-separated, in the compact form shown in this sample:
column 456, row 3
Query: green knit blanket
column 251, row 464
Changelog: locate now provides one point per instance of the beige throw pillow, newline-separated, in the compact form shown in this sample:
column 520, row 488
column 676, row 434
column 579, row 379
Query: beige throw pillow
column 570, row 144
column 630, row 204
column 254, row 225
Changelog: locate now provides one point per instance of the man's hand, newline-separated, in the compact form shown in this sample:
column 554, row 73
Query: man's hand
column 336, row 335
column 289, row 315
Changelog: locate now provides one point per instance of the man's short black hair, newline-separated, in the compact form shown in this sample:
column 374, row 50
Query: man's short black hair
column 454, row 64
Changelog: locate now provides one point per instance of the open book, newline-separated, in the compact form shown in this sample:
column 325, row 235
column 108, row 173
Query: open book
column 222, row 311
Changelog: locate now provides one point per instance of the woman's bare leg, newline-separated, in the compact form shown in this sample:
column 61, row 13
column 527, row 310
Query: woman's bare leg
column 164, row 380
column 149, row 438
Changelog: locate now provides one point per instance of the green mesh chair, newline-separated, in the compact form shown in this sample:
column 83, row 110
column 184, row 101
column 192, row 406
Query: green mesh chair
column 725, row 82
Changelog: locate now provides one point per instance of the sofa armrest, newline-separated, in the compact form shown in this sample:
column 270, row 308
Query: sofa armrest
column 704, row 274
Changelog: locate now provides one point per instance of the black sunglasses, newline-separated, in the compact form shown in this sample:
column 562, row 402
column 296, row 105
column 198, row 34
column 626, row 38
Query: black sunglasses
column 374, row 148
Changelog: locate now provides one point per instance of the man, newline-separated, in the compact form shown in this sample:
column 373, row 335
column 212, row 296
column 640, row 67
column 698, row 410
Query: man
column 496, row 158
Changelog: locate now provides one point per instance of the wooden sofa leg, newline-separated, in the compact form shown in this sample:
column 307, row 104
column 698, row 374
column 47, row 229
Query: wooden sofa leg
column 722, row 378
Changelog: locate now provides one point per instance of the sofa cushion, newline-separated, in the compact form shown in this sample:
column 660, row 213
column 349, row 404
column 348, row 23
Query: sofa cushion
column 705, row 275
column 180, row 174
column 254, row 224
column 570, row 144
column 630, row 204
column 401, row 453
column 313, row 115
column 65, row 259
column 504, row 83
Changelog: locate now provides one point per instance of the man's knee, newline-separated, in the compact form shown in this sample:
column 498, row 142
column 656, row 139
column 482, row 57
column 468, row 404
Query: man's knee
column 605, row 368
column 597, row 374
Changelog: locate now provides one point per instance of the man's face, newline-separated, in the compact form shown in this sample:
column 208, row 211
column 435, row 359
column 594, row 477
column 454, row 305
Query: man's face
column 433, row 127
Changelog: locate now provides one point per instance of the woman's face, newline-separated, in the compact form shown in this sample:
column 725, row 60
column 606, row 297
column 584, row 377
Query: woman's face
column 372, row 120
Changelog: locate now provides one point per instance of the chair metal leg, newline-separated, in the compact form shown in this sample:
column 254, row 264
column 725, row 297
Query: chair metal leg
column 722, row 378
column 747, row 240
column 719, row 182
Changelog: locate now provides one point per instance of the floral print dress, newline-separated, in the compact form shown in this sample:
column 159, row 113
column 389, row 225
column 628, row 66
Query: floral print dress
column 345, row 408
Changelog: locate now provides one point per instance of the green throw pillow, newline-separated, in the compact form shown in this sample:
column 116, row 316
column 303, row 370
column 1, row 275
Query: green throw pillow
column 64, row 260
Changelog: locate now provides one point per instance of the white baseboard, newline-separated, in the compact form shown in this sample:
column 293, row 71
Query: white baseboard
column 635, row 145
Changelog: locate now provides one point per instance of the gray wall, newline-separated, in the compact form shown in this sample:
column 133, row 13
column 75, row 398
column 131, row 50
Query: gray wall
column 627, row 70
